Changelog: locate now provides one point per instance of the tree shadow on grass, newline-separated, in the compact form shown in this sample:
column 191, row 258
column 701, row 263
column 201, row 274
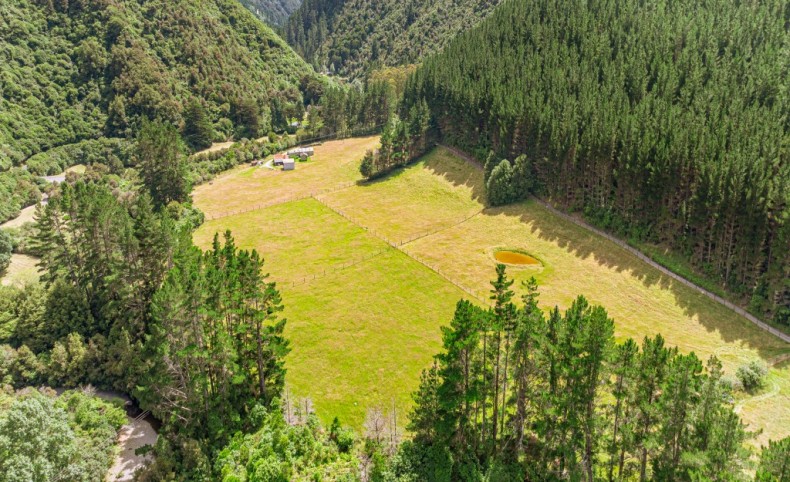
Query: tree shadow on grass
column 443, row 163
column 714, row 317
column 394, row 174
column 585, row 244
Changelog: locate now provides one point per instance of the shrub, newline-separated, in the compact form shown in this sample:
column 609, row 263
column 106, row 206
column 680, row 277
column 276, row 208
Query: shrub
column 489, row 165
column 500, row 185
column 367, row 168
column 6, row 248
column 752, row 375
column 523, row 181
column 774, row 461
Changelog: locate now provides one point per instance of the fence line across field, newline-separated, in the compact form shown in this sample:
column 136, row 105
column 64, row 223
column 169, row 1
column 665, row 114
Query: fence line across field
column 680, row 279
column 398, row 246
column 297, row 197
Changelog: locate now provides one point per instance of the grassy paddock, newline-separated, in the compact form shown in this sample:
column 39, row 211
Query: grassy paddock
column 336, row 164
column 363, row 317
column 352, row 329
column 26, row 215
column 298, row 240
column 362, row 336
column 21, row 271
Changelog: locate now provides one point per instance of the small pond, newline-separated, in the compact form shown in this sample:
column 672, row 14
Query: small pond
column 514, row 257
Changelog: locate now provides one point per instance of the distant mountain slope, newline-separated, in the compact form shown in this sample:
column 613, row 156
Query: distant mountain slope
column 273, row 12
column 89, row 69
column 666, row 121
column 349, row 36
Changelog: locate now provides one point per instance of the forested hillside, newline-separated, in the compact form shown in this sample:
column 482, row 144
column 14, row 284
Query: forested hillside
column 352, row 36
column 71, row 71
column 273, row 12
column 667, row 122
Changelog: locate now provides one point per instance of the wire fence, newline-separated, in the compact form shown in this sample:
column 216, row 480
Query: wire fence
column 480, row 296
column 337, row 268
column 680, row 279
column 635, row 252
column 277, row 202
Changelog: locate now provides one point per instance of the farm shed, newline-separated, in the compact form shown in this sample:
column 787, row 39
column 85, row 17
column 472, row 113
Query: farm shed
column 302, row 152
column 279, row 159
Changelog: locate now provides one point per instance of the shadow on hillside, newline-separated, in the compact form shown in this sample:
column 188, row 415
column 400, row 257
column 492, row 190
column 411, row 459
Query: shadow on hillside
column 584, row 244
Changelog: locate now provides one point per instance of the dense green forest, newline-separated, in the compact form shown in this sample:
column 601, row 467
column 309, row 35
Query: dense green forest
column 651, row 119
column 73, row 71
column 273, row 12
column 666, row 122
column 48, row 437
column 354, row 37
column 517, row 394
column 78, row 78
column 127, row 302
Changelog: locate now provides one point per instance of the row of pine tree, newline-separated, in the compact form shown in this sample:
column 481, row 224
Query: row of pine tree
column 518, row 394
column 664, row 121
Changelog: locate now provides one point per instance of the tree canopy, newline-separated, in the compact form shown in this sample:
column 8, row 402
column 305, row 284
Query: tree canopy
column 354, row 37
column 663, row 121
column 80, row 70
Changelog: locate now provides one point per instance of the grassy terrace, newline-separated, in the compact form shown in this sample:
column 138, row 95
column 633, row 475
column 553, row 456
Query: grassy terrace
column 364, row 316
column 21, row 271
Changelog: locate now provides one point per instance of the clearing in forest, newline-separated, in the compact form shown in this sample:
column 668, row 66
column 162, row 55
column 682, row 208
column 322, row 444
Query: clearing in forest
column 335, row 164
column 370, row 271
column 22, row 270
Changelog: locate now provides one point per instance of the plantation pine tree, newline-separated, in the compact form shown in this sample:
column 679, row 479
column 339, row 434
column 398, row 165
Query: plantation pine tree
column 162, row 163
column 195, row 337
column 215, row 325
column 665, row 122
column 650, row 118
column 198, row 131
column 515, row 392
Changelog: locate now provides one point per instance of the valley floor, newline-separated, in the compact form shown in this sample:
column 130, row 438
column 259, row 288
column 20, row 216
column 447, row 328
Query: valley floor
column 370, row 271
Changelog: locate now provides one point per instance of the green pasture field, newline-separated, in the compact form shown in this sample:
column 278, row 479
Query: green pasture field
column 370, row 271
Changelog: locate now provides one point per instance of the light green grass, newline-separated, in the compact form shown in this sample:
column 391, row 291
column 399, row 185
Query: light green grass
column 363, row 318
column 21, row 271
column 348, row 328
column 78, row 169
column 336, row 164
column 298, row 240
column 26, row 215
column 435, row 193
column 362, row 336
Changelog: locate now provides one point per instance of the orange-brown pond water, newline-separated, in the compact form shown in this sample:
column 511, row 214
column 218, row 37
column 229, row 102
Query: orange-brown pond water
column 512, row 257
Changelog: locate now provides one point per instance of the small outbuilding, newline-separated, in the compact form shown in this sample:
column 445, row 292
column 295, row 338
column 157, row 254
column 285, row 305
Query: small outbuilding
column 289, row 165
column 302, row 153
column 279, row 159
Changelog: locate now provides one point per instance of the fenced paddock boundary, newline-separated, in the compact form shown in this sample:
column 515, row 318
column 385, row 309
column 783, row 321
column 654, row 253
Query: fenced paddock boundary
column 635, row 252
